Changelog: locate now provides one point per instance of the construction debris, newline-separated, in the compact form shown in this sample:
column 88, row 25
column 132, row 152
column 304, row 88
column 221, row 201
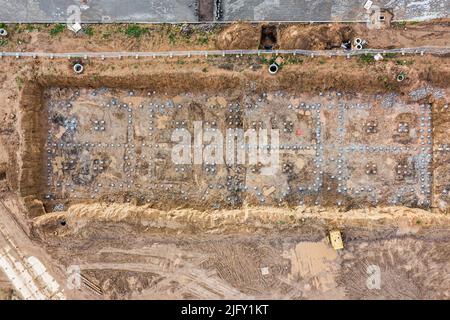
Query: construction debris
column 74, row 27
column 378, row 57
column 368, row 5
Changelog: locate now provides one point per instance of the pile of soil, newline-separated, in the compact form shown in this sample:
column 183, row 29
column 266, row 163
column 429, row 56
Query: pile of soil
column 323, row 37
column 239, row 36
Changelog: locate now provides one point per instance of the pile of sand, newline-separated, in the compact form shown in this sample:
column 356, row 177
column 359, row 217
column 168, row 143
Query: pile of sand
column 315, row 38
column 239, row 36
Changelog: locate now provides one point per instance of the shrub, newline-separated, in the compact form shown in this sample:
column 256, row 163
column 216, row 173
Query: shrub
column 57, row 29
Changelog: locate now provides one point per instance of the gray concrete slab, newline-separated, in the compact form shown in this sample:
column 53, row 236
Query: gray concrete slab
column 99, row 10
column 177, row 11
column 329, row 10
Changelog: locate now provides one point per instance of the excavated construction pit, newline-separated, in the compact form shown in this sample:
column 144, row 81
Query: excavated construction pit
column 99, row 143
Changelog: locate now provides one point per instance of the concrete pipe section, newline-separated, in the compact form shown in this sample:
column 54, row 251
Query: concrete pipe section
column 3, row 32
column 358, row 43
column 78, row 68
column 273, row 68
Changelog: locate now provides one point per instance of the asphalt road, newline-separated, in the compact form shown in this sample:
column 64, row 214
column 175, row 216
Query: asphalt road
column 176, row 11
column 329, row 10
column 99, row 10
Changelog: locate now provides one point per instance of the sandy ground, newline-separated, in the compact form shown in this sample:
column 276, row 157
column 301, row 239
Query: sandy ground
column 277, row 263
column 22, row 37
column 16, row 234
column 128, row 251
column 131, row 159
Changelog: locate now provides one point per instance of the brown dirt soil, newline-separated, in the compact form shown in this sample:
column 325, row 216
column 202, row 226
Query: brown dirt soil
column 143, row 252
column 251, row 220
column 232, row 36
column 324, row 37
column 403, row 35
column 27, row 81
column 331, row 36
column 274, row 264
column 114, row 37
column 239, row 36
column 6, row 290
